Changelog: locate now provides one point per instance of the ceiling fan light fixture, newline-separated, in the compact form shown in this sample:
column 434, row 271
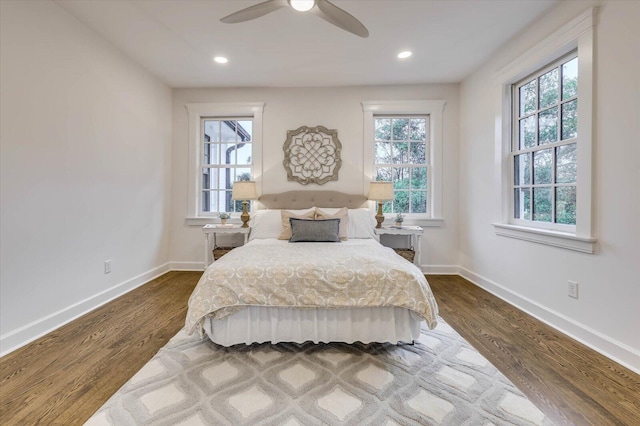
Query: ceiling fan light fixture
column 302, row 5
column 323, row 9
column 405, row 54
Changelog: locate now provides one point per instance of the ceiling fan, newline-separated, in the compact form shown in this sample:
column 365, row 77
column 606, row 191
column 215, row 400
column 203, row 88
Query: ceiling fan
column 321, row 8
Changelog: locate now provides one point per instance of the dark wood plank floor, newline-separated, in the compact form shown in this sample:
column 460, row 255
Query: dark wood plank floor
column 569, row 382
column 64, row 377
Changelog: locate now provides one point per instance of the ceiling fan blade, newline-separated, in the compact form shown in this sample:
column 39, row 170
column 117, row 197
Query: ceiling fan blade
column 255, row 11
column 340, row 18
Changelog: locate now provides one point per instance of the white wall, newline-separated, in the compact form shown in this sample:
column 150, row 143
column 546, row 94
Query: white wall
column 335, row 108
column 85, row 153
column 533, row 276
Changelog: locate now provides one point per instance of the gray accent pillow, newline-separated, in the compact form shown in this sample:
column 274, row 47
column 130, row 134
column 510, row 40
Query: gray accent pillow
column 314, row 230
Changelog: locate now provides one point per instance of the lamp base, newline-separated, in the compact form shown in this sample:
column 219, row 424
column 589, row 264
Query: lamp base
column 245, row 215
column 379, row 215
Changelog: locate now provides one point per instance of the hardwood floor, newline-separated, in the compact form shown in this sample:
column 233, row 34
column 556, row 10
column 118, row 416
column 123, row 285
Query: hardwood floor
column 64, row 377
column 569, row 382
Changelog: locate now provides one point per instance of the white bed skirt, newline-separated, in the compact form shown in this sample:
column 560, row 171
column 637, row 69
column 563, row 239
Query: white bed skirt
column 258, row 324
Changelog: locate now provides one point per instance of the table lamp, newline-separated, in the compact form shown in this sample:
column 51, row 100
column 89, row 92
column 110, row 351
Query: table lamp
column 244, row 190
column 380, row 192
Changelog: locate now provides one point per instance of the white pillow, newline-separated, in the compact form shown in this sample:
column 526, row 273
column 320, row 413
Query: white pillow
column 265, row 224
column 268, row 223
column 362, row 222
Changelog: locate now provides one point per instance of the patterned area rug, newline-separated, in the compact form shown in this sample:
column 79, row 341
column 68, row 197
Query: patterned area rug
column 440, row 380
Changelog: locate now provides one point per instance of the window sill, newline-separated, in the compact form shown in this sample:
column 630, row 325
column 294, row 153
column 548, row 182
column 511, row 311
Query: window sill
column 427, row 223
column 414, row 221
column 551, row 238
column 201, row 221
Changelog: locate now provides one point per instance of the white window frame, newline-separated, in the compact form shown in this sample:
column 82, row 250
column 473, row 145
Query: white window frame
column 575, row 35
column 196, row 113
column 434, row 109
column 516, row 150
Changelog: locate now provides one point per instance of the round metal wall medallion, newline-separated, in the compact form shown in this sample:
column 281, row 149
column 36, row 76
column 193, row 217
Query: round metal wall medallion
column 312, row 155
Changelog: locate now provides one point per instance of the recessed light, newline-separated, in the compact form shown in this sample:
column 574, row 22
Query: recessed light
column 405, row 54
column 221, row 59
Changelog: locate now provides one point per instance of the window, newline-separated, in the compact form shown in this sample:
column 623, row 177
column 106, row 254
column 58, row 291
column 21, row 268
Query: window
column 226, row 158
column 544, row 140
column 225, row 146
column 403, row 144
column 545, row 135
column 401, row 147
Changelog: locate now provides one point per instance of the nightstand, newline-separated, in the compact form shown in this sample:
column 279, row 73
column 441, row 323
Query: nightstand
column 211, row 231
column 414, row 233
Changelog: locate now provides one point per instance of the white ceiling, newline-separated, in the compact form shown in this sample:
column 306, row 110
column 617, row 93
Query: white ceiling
column 177, row 39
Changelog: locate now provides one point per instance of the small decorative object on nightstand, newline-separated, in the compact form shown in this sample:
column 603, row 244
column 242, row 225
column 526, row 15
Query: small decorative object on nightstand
column 414, row 233
column 223, row 218
column 399, row 219
column 211, row 231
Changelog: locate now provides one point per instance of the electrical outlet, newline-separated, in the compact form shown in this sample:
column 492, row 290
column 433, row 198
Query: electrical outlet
column 573, row 289
column 107, row 266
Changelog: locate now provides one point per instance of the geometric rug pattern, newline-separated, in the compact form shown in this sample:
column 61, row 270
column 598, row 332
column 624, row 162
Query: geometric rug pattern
column 440, row 380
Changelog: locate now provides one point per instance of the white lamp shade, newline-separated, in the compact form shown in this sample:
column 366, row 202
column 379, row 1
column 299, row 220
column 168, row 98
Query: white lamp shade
column 381, row 191
column 244, row 190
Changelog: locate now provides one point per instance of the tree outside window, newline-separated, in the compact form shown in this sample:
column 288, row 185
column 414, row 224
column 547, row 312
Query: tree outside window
column 544, row 145
column 401, row 157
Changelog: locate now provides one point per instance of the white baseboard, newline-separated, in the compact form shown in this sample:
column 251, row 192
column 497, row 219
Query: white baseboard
column 440, row 269
column 611, row 348
column 187, row 266
column 15, row 339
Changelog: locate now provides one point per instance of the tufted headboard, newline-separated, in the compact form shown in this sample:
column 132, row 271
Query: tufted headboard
column 307, row 199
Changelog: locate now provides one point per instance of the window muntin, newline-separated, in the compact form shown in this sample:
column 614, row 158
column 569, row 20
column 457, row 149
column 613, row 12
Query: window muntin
column 401, row 156
column 227, row 156
column 543, row 154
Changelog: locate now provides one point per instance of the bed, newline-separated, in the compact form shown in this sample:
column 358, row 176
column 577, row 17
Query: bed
column 272, row 289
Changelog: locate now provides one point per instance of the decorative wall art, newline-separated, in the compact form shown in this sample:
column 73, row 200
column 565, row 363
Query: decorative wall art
column 312, row 155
